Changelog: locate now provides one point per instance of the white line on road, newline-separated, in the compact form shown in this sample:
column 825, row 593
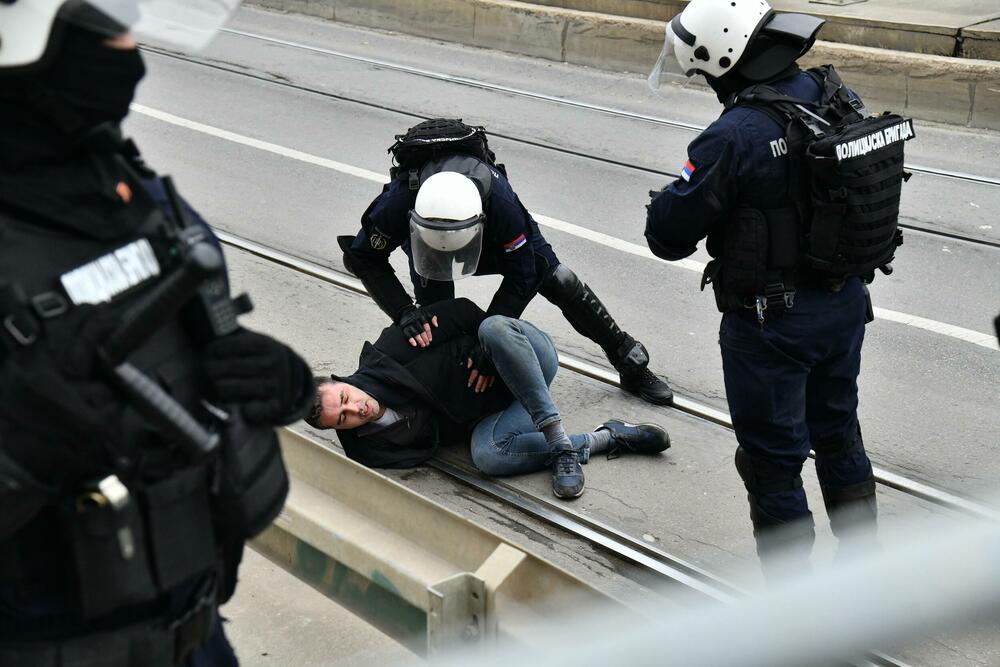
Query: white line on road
column 959, row 333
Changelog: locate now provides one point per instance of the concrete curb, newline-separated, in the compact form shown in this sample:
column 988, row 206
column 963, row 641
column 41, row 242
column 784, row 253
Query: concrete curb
column 959, row 91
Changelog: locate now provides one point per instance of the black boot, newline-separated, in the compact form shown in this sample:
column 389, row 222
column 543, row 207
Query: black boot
column 631, row 360
column 585, row 312
column 783, row 547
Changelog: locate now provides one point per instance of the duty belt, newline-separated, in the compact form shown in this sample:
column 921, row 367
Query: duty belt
column 151, row 644
column 775, row 296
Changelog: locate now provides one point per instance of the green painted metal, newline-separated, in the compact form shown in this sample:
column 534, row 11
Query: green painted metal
column 371, row 597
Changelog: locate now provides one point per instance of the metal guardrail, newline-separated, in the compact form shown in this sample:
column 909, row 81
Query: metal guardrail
column 419, row 572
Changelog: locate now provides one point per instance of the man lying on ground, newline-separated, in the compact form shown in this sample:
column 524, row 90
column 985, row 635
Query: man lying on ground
column 403, row 402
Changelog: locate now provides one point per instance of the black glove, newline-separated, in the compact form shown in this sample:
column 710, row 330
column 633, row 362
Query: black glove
column 482, row 372
column 267, row 379
column 414, row 322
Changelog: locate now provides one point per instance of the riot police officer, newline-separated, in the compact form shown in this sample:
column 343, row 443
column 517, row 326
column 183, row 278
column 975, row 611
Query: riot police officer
column 451, row 208
column 137, row 450
column 783, row 203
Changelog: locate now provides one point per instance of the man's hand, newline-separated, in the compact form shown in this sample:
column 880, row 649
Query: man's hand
column 416, row 325
column 267, row 379
column 483, row 374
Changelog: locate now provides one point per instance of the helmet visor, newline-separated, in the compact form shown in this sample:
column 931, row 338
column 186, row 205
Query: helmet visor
column 446, row 250
column 188, row 25
column 667, row 74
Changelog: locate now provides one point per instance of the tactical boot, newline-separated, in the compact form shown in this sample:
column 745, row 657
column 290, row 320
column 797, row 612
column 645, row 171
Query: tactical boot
column 634, row 438
column 567, row 475
column 632, row 363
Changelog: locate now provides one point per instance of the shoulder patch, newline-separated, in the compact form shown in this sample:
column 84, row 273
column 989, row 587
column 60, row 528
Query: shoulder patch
column 378, row 240
column 515, row 244
column 687, row 170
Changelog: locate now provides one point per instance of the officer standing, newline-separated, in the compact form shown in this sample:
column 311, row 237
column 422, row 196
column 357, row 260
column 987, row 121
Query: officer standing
column 788, row 271
column 451, row 208
column 137, row 450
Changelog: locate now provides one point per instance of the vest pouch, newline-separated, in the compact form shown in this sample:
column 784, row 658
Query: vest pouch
column 253, row 480
column 179, row 521
column 744, row 255
column 828, row 202
column 108, row 552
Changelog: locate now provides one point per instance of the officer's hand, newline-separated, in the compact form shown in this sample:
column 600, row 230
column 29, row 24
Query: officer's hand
column 267, row 379
column 483, row 373
column 416, row 325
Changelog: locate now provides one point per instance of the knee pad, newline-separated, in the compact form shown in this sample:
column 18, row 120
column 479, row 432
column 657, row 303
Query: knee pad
column 560, row 285
column 761, row 477
column 835, row 449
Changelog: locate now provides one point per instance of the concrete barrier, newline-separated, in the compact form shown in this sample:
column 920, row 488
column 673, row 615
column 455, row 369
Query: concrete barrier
column 960, row 91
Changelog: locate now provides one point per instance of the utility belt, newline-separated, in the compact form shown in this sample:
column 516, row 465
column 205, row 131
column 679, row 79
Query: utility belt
column 148, row 644
column 761, row 265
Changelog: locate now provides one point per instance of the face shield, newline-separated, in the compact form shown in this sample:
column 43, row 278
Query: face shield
column 667, row 75
column 188, row 25
column 29, row 28
column 446, row 250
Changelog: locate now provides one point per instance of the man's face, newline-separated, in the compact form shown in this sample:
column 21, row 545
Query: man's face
column 345, row 406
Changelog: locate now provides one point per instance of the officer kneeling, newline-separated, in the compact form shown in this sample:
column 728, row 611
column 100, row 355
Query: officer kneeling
column 797, row 189
column 137, row 452
column 451, row 209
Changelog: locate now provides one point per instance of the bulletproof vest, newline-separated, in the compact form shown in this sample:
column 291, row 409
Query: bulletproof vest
column 128, row 513
column 845, row 178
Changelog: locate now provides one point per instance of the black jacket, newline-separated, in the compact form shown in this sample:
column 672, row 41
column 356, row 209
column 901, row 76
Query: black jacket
column 427, row 386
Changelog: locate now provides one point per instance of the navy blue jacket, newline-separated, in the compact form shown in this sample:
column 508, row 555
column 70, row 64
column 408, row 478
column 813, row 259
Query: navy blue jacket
column 512, row 241
column 740, row 160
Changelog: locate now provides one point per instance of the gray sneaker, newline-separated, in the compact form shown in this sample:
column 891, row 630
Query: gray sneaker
column 567, row 475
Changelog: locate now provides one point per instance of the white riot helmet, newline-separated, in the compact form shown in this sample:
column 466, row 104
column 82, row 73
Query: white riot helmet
column 446, row 227
column 716, row 37
column 29, row 29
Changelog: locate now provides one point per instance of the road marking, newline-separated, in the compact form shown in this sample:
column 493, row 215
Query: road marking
column 959, row 333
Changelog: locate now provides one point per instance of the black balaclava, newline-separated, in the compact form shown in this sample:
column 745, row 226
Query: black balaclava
column 95, row 82
column 46, row 172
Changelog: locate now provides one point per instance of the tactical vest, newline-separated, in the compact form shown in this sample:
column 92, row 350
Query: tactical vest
column 845, row 178
column 128, row 513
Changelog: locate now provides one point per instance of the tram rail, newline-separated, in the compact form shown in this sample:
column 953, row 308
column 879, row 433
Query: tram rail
column 621, row 113
column 683, row 404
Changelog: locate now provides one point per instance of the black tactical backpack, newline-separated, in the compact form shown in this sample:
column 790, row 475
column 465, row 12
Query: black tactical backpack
column 846, row 171
column 437, row 138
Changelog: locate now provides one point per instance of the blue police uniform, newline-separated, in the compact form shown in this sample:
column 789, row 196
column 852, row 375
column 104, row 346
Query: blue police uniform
column 513, row 246
column 791, row 380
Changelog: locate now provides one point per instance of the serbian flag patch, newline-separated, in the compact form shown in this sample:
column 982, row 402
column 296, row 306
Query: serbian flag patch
column 687, row 171
column 515, row 244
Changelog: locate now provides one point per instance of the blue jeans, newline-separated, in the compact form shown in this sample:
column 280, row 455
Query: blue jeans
column 509, row 442
column 792, row 386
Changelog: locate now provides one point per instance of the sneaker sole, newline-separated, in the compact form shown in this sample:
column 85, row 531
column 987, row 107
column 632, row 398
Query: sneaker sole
column 568, row 497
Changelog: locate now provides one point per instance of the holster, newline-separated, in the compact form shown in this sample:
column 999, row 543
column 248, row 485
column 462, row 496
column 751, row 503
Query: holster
column 129, row 555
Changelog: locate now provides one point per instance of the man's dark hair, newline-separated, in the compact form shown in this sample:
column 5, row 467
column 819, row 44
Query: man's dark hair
column 317, row 408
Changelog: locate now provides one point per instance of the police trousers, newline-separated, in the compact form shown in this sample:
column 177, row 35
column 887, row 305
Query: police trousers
column 792, row 383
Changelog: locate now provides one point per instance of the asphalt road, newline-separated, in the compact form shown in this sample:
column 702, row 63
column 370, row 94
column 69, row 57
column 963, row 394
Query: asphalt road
column 928, row 401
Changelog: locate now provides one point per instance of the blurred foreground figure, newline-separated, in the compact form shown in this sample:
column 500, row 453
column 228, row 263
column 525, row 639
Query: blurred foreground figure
column 137, row 450
column 797, row 188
